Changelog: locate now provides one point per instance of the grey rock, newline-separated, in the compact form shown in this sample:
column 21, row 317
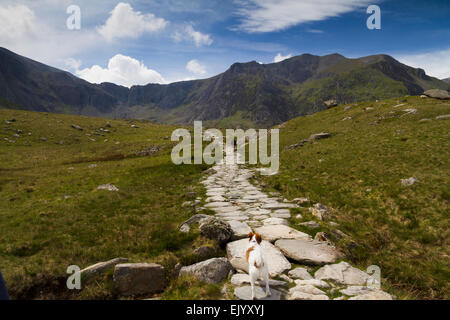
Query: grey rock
column 308, row 251
column 240, row 229
column 204, row 251
column 330, row 103
column 211, row 271
column 444, row 116
column 216, row 229
column 313, row 282
column 409, row 182
column 108, row 187
column 74, row 126
column 274, row 232
column 101, row 267
column 342, row 273
column 275, row 221
column 306, row 288
column 300, row 273
column 185, row 226
column 310, row 224
column 437, row 94
column 139, row 278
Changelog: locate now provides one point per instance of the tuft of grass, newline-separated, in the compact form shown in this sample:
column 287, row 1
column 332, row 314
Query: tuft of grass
column 187, row 287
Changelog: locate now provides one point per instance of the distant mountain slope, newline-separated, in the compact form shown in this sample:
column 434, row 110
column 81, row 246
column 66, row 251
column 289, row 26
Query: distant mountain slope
column 446, row 80
column 246, row 94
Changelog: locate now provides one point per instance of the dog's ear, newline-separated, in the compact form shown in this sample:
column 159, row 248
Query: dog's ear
column 250, row 236
column 258, row 238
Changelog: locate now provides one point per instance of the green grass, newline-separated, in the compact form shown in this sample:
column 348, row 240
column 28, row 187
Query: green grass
column 404, row 230
column 53, row 216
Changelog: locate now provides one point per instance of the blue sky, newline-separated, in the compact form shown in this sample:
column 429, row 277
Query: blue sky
column 137, row 42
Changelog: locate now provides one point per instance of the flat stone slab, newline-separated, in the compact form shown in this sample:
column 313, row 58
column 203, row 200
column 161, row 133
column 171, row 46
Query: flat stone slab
column 217, row 204
column 276, row 261
column 260, row 217
column 274, row 232
column 342, row 273
column 313, row 282
column 243, row 278
column 309, row 251
column 225, row 209
column 245, row 293
column 281, row 215
column 306, row 288
column 240, row 229
column 277, row 205
column 300, row 273
column 275, row 221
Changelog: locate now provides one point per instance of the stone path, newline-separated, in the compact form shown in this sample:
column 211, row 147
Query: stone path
column 246, row 208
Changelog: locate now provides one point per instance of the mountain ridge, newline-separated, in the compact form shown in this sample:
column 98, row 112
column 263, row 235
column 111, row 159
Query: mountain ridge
column 251, row 93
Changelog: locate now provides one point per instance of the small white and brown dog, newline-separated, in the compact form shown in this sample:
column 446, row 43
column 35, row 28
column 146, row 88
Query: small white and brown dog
column 257, row 265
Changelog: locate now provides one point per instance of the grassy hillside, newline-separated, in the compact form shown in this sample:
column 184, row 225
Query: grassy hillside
column 53, row 216
column 358, row 172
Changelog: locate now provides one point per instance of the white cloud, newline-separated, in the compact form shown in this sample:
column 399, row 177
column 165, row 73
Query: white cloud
column 279, row 57
column 32, row 35
column 72, row 64
column 274, row 15
column 196, row 67
column 121, row 70
column 436, row 64
column 124, row 22
column 16, row 22
column 190, row 34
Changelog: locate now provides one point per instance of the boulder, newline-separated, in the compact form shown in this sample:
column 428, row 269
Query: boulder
column 306, row 288
column 330, row 103
column 308, row 251
column 74, row 126
column 133, row 279
column 272, row 233
column 310, row 224
column 245, row 293
column 240, row 229
column 211, row 271
column 409, row 182
column 320, row 211
column 313, row 282
column 275, row 221
column 276, row 261
column 216, row 229
column 319, row 136
column 204, row 251
column 101, row 267
column 437, row 94
column 185, row 226
column 342, row 273
column 300, row 273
